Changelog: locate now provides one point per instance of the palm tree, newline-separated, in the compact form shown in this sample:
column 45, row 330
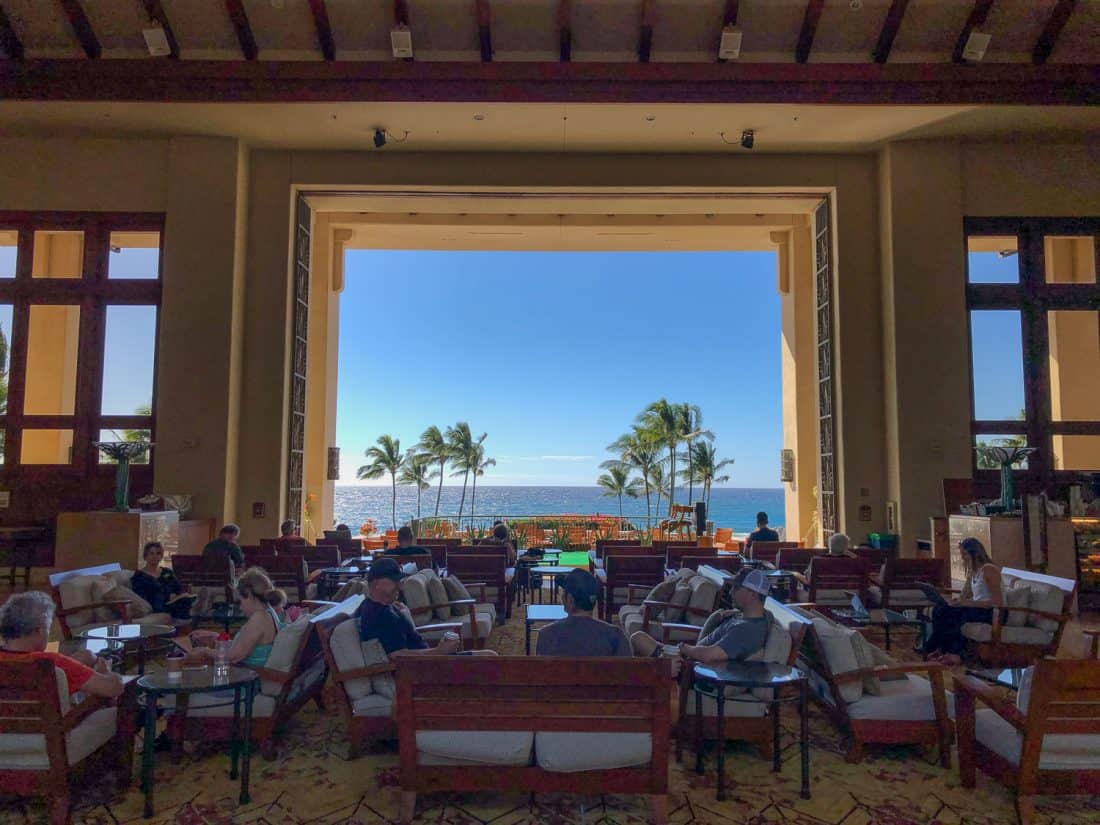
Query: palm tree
column 385, row 458
column 638, row 450
column 707, row 467
column 415, row 470
column 463, row 446
column 617, row 482
column 691, row 423
column 659, row 482
column 434, row 444
column 478, row 467
column 664, row 421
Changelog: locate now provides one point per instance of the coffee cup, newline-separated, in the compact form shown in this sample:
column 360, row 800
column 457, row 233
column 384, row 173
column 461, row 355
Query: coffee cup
column 174, row 666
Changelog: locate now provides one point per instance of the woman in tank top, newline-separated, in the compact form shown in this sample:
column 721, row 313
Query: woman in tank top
column 981, row 595
column 260, row 601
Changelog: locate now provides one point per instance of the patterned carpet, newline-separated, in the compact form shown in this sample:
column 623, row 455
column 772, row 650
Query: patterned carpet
column 311, row 781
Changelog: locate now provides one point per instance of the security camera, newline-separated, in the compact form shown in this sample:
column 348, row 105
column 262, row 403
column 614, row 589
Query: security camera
column 379, row 138
column 748, row 138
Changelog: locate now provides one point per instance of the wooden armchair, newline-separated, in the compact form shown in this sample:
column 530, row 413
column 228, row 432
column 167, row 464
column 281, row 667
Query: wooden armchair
column 489, row 569
column 797, row 559
column 651, row 615
column 320, row 557
column 77, row 606
column 745, row 721
column 71, row 739
column 676, row 553
column 212, row 581
column 731, row 564
column 472, row 619
column 721, row 536
column 1050, row 745
column 620, row 572
column 768, row 551
column 830, row 581
column 894, row 586
column 287, row 571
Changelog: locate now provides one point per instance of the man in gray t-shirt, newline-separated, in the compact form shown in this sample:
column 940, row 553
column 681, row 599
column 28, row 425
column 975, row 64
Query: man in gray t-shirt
column 579, row 634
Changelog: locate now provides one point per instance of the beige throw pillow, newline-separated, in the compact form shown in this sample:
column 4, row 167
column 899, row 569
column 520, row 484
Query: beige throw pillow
column 381, row 683
column 456, row 591
column 865, row 658
column 679, row 599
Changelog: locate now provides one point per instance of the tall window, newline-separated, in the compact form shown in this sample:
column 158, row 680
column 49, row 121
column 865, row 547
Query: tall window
column 1034, row 308
column 79, row 299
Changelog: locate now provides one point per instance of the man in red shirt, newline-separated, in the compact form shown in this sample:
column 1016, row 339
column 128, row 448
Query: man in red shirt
column 25, row 621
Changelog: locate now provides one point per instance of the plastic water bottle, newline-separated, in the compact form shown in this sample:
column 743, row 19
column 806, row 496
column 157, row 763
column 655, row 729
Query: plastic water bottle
column 221, row 659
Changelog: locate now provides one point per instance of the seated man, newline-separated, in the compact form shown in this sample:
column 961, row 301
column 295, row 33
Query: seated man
column 838, row 547
column 25, row 621
column 762, row 532
column 578, row 634
column 741, row 633
column 405, row 546
column 225, row 548
column 288, row 535
column 500, row 537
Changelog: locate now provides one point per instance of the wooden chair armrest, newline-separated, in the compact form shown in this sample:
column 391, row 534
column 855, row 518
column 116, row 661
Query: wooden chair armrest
column 1057, row 617
column 680, row 626
column 432, row 628
column 312, row 604
column 989, row 695
column 279, row 676
column 363, row 672
column 416, row 611
column 887, row 670
column 68, row 611
column 78, row 713
column 630, row 588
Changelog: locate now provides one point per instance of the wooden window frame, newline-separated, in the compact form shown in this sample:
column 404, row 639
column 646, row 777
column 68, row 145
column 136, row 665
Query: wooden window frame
column 1033, row 298
column 93, row 292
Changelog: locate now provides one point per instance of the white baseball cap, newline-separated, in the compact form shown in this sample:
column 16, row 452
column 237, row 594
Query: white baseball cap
column 754, row 580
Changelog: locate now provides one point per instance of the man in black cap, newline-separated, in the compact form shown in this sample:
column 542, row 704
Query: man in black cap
column 579, row 634
column 384, row 618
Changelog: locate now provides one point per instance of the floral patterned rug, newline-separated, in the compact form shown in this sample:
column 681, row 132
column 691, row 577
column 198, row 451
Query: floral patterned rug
column 311, row 781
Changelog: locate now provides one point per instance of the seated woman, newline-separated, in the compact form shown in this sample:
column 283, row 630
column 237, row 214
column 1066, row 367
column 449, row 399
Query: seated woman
column 159, row 585
column 25, row 621
column 261, row 602
column 980, row 596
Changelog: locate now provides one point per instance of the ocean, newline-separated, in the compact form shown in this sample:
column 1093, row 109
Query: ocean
column 734, row 507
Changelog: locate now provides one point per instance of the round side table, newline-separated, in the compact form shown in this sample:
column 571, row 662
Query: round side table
column 135, row 634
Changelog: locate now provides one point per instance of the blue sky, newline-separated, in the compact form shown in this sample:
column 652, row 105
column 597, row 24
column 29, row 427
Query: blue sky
column 997, row 352
column 554, row 353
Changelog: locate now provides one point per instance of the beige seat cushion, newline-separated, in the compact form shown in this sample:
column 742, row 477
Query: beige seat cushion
column 899, row 599
column 908, row 700
column 704, row 596
column 628, row 610
column 27, row 751
column 839, row 654
column 347, row 652
column 1061, row 752
column 474, row 747
column 77, row 591
column 1015, row 596
column 372, row 705
column 107, row 588
column 484, row 622
column 569, row 751
column 1049, row 599
column 381, row 684
column 437, row 592
column 980, row 632
column 284, row 650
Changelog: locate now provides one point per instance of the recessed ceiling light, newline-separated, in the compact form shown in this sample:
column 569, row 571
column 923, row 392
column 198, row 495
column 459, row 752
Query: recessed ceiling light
column 479, row 117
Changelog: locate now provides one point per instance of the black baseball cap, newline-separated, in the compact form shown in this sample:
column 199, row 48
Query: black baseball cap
column 384, row 568
column 580, row 584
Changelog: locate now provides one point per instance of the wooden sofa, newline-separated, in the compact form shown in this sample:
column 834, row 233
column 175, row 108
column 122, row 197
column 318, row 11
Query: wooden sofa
column 1048, row 742
column 91, row 596
column 528, row 725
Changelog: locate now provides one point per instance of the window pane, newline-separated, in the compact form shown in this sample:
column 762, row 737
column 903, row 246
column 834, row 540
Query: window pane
column 3, row 442
column 9, row 246
column 5, row 354
column 134, row 255
column 1077, row 452
column 47, row 447
column 1070, row 260
column 128, row 360
column 997, row 365
column 1074, row 365
column 989, row 462
column 991, row 260
column 58, row 254
column 125, row 435
column 52, row 346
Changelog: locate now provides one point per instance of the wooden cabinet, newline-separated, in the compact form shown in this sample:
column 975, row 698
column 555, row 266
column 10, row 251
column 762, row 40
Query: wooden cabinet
column 103, row 536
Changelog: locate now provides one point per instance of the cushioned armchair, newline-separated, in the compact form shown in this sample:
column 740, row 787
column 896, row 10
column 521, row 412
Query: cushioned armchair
column 439, row 605
column 748, row 717
column 871, row 696
column 1048, row 742
column 673, row 610
column 49, row 745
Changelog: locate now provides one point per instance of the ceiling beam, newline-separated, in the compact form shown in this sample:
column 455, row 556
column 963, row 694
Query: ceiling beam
column 1059, row 16
column 400, row 13
column 889, row 31
column 729, row 16
column 485, row 30
column 565, row 30
column 313, row 81
column 9, row 40
column 324, row 29
column 155, row 10
column 82, row 28
column 977, row 18
column 239, row 18
column 645, row 35
column 809, row 30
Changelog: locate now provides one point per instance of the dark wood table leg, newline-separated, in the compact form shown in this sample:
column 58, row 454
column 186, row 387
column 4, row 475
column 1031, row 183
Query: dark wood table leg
column 527, row 637
column 234, row 742
column 148, row 752
column 773, row 709
column 249, row 696
column 887, row 635
column 720, row 698
column 698, row 730
column 804, row 737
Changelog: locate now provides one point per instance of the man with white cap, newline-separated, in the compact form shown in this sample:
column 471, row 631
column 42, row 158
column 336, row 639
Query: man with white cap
column 741, row 634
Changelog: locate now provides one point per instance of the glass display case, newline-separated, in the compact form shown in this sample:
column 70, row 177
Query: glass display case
column 1087, row 534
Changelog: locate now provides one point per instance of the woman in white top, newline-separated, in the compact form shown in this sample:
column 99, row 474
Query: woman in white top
column 981, row 595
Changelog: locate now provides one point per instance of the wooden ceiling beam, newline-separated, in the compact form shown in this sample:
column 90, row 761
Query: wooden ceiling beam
column 155, row 10
column 9, row 40
column 325, row 40
column 485, row 29
column 729, row 16
column 400, row 13
column 1059, row 16
column 239, row 18
column 889, row 31
column 809, row 30
column 977, row 18
column 82, row 28
column 645, row 35
column 565, row 30
column 552, row 82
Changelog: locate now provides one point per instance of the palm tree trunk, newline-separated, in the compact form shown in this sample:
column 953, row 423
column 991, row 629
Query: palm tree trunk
column 473, row 497
column 418, row 501
column 393, row 501
column 462, row 502
column 691, row 474
column 620, row 509
column 439, row 492
column 672, row 478
column 648, row 514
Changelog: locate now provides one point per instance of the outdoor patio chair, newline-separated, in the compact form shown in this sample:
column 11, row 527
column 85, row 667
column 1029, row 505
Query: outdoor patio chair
column 722, row 535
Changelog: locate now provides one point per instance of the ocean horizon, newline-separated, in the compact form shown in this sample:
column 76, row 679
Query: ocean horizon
column 734, row 507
